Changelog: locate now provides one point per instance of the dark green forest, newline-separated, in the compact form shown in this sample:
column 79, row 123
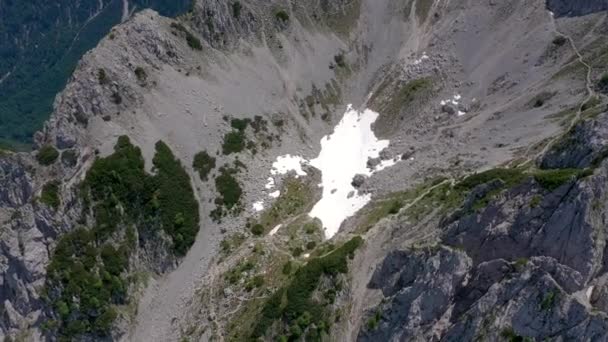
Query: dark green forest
column 41, row 41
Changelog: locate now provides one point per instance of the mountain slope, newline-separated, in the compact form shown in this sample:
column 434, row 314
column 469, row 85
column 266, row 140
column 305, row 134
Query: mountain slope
column 459, row 87
column 41, row 42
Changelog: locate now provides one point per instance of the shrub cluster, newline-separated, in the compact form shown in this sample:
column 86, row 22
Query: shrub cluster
column 282, row 16
column 294, row 304
column 47, row 155
column 192, row 41
column 89, row 267
column 234, row 142
column 50, row 194
column 204, row 164
column 229, row 190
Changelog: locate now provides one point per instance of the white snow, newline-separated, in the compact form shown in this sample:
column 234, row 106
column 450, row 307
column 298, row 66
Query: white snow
column 270, row 184
column 589, row 292
column 275, row 230
column 306, row 255
column 421, row 59
column 455, row 100
column 288, row 163
column 258, row 206
column 344, row 153
column 275, row 194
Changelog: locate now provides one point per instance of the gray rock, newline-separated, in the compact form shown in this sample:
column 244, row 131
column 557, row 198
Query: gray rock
column 358, row 180
column 449, row 108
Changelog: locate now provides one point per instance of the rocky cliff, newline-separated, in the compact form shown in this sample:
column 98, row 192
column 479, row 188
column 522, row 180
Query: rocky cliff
column 138, row 216
column 576, row 8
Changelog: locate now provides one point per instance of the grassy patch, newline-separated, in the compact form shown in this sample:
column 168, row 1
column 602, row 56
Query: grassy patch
column 395, row 97
column 553, row 179
column 295, row 199
column 374, row 321
column 231, row 243
column 204, row 164
column 548, row 301
column 50, row 194
column 47, row 155
column 592, row 102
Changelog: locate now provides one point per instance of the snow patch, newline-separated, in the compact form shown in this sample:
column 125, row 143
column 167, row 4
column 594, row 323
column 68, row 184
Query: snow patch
column 344, row 153
column 275, row 194
column 270, row 184
column 287, row 163
column 275, row 230
column 421, row 59
column 589, row 292
column 258, row 206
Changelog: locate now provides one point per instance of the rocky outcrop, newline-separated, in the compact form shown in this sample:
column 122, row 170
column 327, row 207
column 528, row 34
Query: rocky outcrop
column 584, row 145
column 530, row 264
column 571, row 8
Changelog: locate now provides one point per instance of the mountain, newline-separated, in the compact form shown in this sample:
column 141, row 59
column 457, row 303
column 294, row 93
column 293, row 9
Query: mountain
column 41, row 42
column 369, row 170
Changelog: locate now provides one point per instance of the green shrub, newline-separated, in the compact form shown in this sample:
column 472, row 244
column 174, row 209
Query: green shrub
column 229, row 190
column 234, row 142
column 141, row 74
column 193, row 42
column 340, row 60
column 311, row 245
column 50, row 194
column 509, row 176
column 559, row 40
column 296, row 252
column 257, row 229
column 603, row 83
column 236, row 9
column 548, row 301
column 68, row 158
column 374, row 321
column 287, row 268
column 203, row 163
column 239, row 124
column 102, row 77
column 47, row 155
column 282, row 16
column 535, row 201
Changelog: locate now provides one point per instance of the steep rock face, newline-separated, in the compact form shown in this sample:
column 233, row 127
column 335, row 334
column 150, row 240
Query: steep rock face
column 300, row 68
column 580, row 148
column 576, row 8
column 533, row 264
